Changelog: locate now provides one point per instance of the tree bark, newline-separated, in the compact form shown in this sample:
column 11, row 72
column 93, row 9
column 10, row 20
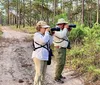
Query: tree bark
column 42, row 10
column 55, row 3
column 24, row 14
column 17, row 15
column 82, row 11
column 20, row 10
column 97, row 11
column 8, row 12
column 62, row 7
column 30, row 12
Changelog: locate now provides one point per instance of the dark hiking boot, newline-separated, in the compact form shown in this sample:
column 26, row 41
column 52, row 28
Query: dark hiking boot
column 62, row 77
column 59, row 81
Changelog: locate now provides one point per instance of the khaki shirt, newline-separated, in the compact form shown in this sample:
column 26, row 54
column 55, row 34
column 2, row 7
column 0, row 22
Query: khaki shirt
column 60, row 34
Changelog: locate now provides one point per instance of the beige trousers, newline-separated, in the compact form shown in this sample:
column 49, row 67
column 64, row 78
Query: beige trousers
column 40, row 68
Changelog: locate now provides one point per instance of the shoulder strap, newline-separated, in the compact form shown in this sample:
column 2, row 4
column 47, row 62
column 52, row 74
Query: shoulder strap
column 61, row 39
column 33, row 45
column 40, row 46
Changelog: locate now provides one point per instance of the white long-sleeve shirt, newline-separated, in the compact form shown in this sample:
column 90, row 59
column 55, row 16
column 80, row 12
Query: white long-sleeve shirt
column 61, row 34
column 41, row 53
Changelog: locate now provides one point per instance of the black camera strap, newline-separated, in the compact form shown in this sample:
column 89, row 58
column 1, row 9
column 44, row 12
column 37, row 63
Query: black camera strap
column 61, row 39
column 46, row 46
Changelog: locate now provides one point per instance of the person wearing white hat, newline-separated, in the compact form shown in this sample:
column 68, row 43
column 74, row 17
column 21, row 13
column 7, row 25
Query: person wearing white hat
column 60, row 41
column 40, row 54
column 61, row 21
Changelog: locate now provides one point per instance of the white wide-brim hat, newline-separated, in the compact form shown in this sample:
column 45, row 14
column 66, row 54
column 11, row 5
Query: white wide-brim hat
column 61, row 21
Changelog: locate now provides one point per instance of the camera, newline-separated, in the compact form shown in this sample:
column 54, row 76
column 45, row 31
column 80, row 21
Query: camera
column 72, row 26
column 58, row 29
column 55, row 29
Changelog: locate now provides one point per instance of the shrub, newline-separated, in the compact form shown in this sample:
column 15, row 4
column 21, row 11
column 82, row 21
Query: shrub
column 85, row 57
column 78, row 34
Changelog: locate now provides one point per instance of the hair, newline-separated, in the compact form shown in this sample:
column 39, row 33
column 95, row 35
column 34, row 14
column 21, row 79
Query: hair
column 38, row 28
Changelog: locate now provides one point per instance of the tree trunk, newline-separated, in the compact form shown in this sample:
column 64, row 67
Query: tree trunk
column 70, row 12
column 47, row 14
column 8, row 12
column 30, row 12
column 13, row 20
column 55, row 3
column 77, row 14
column 17, row 15
column 62, row 7
column 82, row 11
column 42, row 10
column 97, row 11
column 20, row 10
column 24, row 14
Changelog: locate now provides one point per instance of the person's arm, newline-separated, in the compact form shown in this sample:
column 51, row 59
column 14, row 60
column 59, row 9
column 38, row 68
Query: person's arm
column 51, row 39
column 42, row 39
column 62, row 33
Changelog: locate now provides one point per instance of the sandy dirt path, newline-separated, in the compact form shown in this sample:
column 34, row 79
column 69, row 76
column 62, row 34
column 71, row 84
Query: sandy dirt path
column 16, row 65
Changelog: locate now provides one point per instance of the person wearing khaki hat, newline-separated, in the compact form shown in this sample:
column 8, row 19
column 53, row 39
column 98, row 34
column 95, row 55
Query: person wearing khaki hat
column 61, row 21
column 60, row 41
column 40, row 53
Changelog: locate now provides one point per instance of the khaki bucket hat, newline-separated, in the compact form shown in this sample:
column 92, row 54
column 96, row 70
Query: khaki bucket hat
column 61, row 21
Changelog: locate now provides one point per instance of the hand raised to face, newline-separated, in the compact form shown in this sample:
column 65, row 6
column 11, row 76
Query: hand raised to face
column 48, row 29
column 66, row 26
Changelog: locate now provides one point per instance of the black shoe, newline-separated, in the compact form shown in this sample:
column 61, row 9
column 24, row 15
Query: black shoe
column 59, row 81
column 62, row 77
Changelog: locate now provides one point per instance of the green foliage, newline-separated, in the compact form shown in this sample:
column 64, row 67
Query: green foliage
column 63, row 15
column 85, row 54
column 92, row 68
column 79, row 33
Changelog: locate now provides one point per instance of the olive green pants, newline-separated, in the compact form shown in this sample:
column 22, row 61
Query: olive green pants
column 40, row 67
column 60, row 57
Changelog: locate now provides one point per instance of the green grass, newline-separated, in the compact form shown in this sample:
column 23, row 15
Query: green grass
column 27, row 29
